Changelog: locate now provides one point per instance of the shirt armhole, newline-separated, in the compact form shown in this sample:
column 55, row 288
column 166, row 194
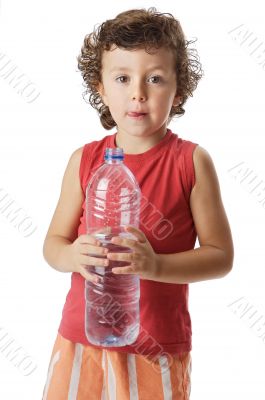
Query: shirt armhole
column 83, row 162
column 188, row 169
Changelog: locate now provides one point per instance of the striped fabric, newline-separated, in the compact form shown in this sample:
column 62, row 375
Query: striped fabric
column 79, row 372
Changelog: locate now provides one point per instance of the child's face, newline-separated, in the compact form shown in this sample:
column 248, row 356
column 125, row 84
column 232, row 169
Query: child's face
column 136, row 81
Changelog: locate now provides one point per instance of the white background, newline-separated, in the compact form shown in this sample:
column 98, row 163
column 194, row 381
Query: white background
column 224, row 116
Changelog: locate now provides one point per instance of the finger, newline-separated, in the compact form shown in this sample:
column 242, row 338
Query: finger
column 121, row 256
column 92, row 278
column 123, row 270
column 125, row 242
column 95, row 261
column 92, row 250
column 88, row 275
column 137, row 232
column 89, row 239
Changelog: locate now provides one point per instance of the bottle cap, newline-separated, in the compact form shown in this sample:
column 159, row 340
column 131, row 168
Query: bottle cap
column 115, row 153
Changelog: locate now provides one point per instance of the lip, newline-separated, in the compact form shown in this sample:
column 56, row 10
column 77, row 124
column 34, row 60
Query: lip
column 136, row 114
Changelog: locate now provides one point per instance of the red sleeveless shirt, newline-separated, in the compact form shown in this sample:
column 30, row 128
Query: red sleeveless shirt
column 165, row 174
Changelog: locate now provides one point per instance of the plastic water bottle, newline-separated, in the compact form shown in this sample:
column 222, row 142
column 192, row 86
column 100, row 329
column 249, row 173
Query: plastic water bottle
column 113, row 201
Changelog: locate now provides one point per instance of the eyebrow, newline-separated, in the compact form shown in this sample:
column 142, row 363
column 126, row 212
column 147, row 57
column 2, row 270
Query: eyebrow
column 155, row 67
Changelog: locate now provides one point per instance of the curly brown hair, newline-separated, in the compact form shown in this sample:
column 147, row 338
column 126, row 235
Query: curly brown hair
column 138, row 29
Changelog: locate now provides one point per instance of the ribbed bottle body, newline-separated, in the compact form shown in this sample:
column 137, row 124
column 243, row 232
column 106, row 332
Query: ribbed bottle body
column 112, row 305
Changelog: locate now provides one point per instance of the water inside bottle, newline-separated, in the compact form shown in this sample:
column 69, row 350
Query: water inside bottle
column 112, row 305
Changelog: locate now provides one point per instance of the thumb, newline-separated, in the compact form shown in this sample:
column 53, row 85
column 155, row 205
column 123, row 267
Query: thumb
column 136, row 232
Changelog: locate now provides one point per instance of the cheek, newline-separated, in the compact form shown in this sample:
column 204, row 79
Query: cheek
column 169, row 99
column 116, row 106
column 163, row 103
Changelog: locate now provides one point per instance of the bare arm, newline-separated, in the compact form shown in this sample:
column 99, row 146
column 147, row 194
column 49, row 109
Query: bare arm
column 63, row 249
column 214, row 258
column 64, row 224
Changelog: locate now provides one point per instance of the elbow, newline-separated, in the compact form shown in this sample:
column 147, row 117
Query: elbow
column 44, row 251
column 228, row 261
column 225, row 260
column 227, row 269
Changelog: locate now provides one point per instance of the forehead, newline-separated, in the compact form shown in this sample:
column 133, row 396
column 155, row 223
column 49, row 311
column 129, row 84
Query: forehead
column 122, row 58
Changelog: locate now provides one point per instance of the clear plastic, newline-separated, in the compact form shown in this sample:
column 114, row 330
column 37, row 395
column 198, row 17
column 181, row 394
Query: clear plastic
column 113, row 201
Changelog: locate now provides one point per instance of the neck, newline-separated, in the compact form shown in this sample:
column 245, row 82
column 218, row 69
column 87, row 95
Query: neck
column 138, row 144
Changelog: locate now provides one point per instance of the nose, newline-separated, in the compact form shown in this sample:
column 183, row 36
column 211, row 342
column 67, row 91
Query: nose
column 138, row 92
column 139, row 98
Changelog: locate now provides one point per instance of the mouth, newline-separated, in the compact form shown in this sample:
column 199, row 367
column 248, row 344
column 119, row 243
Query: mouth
column 136, row 115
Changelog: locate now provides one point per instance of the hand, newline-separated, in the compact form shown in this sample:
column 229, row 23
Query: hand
column 144, row 261
column 87, row 251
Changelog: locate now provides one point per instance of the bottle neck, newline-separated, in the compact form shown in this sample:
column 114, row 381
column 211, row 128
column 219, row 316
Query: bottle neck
column 113, row 161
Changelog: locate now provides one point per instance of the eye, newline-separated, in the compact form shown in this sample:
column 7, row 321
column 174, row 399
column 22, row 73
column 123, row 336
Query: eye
column 156, row 79
column 121, row 79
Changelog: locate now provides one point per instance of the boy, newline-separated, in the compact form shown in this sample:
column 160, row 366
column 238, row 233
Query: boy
column 139, row 75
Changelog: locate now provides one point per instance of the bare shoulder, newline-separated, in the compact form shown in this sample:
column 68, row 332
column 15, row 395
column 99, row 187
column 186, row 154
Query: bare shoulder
column 204, row 166
column 207, row 206
column 67, row 213
column 75, row 158
column 71, row 174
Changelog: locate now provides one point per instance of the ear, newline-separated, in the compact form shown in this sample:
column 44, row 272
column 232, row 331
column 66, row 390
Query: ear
column 177, row 100
column 101, row 91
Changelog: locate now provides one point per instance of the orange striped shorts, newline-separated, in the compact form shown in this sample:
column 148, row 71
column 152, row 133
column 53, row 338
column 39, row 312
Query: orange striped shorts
column 79, row 372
